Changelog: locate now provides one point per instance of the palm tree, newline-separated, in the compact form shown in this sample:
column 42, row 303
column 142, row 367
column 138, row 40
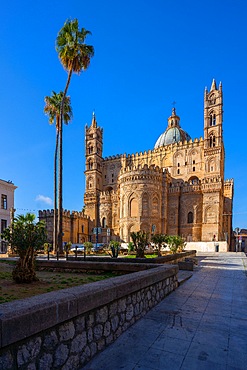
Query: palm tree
column 75, row 56
column 52, row 109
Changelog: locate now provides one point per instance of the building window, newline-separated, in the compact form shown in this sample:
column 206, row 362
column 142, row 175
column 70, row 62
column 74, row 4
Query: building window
column 178, row 164
column 194, row 161
column 3, row 225
column 190, row 218
column 212, row 141
column 82, row 228
column 4, row 201
column 104, row 222
column 178, row 171
column 212, row 119
column 194, row 169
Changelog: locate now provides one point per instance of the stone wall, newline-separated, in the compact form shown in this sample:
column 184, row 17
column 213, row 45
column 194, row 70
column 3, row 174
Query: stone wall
column 208, row 246
column 65, row 329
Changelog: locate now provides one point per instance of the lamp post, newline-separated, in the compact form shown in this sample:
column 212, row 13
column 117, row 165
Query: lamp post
column 236, row 232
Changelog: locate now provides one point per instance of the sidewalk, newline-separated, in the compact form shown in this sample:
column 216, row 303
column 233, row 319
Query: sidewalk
column 201, row 325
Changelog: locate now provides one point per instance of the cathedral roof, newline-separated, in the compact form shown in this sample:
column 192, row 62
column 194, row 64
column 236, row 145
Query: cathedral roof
column 174, row 133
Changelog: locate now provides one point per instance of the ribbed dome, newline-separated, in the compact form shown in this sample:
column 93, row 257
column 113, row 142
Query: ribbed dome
column 173, row 133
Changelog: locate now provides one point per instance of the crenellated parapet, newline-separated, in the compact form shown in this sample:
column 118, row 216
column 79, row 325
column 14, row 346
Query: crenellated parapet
column 229, row 183
column 140, row 174
column 112, row 157
column 47, row 213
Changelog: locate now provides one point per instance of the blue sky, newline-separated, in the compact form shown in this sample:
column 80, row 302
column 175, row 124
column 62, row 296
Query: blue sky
column 147, row 55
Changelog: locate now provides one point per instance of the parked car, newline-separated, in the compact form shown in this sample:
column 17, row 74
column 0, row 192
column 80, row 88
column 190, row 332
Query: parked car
column 77, row 247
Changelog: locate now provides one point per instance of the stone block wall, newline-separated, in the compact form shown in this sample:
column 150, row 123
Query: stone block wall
column 65, row 329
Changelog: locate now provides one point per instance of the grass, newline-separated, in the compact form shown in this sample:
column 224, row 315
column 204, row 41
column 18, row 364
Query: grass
column 146, row 256
column 48, row 281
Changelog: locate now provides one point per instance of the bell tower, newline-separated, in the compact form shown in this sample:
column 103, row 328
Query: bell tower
column 213, row 116
column 93, row 172
column 214, row 157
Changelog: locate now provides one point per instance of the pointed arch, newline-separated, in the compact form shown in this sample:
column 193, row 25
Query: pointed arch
column 212, row 140
column 212, row 119
column 90, row 182
column 190, row 218
column 193, row 180
column 155, row 204
column 133, row 207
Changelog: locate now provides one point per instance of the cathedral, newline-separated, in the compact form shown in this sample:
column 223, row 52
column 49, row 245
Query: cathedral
column 177, row 188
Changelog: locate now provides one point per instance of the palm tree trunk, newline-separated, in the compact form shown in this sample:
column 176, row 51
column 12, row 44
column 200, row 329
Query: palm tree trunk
column 60, row 177
column 55, row 194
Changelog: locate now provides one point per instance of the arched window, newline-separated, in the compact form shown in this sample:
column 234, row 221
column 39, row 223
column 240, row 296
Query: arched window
column 90, row 165
column 155, row 205
column 104, row 222
column 212, row 141
column 212, row 119
column 133, row 208
column 194, row 180
column 190, row 218
column 90, row 182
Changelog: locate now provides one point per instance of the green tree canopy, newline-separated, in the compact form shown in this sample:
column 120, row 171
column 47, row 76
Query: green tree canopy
column 25, row 237
column 176, row 243
column 159, row 240
column 140, row 240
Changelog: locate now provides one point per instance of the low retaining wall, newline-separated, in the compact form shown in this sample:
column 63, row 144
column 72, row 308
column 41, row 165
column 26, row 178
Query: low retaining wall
column 66, row 328
column 208, row 246
column 169, row 258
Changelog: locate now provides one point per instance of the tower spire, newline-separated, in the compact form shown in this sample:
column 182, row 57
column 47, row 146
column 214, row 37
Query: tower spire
column 94, row 123
column 213, row 86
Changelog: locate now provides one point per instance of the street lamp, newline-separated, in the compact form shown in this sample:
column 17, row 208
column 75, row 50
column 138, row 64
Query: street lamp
column 236, row 232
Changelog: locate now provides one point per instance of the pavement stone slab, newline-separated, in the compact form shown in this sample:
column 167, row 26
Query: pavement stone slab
column 201, row 325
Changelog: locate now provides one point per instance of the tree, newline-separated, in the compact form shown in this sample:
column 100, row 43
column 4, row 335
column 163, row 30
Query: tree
column 176, row 243
column 25, row 237
column 114, row 247
column 52, row 109
column 140, row 240
column 88, row 246
column 159, row 240
column 75, row 57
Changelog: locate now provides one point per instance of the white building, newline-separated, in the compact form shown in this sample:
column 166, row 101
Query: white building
column 7, row 189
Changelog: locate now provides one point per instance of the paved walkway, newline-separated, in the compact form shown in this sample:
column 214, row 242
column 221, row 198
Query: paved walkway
column 201, row 325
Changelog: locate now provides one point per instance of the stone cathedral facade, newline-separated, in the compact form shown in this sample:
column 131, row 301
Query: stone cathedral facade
column 177, row 188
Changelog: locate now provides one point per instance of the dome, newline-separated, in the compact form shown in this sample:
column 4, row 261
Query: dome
column 173, row 133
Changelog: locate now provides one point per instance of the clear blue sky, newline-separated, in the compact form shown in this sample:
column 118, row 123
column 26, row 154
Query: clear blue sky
column 147, row 55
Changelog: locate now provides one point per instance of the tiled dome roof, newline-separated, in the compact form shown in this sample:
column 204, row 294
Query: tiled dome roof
column 173, row 133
